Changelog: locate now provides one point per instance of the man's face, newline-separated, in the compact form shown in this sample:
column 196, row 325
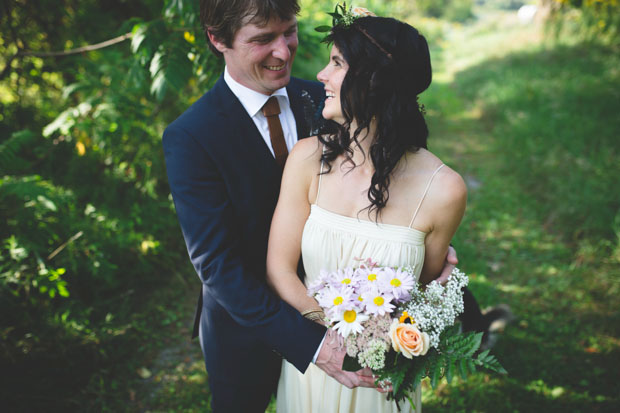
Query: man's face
column 261, row 57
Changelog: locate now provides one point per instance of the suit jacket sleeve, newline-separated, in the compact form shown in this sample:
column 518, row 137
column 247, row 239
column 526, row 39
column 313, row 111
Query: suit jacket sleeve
column 211, row 233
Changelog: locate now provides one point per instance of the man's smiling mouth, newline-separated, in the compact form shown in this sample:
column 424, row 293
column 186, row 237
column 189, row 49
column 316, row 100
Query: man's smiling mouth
column 276, row 68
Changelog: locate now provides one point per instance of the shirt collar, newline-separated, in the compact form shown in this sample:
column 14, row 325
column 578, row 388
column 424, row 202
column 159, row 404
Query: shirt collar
column 251, row 100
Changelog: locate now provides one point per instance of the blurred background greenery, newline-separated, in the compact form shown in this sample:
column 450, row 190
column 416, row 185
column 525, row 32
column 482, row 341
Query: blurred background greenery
column 96, row 292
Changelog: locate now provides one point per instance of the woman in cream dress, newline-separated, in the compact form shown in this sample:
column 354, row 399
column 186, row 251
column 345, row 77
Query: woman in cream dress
column 369, row 189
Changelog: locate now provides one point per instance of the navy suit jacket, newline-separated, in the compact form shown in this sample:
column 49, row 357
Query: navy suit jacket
column 225, row 184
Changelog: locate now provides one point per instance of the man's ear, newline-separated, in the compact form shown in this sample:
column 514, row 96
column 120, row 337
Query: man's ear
column 218, row 44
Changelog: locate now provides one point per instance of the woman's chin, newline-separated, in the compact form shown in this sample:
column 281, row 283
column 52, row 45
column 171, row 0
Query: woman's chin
column 328, row 115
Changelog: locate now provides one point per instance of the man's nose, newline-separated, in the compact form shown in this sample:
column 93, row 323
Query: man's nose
column 281, row 48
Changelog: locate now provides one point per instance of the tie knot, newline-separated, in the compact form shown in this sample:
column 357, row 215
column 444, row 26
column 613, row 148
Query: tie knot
column 271, row 108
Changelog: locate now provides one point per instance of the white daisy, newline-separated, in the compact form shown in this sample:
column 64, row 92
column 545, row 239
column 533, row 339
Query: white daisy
column 399, row 282
column 376, row 301
column 346, row 277
column 367, row 275
column 336, row 300
column 319, row 283
column 350, row 321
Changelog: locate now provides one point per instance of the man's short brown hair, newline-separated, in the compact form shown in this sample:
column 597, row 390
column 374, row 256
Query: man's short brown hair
column 223, row 18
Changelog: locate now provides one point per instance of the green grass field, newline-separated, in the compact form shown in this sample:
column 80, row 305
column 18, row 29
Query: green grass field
column 533, row 128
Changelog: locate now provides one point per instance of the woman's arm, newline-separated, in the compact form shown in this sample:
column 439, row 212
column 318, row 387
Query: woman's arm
column 288, row 221
column 445, row 203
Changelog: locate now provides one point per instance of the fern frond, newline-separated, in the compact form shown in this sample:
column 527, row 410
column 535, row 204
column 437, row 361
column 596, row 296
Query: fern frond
column 465, row 344
column 9, row 151
column 397, row 377
column 435, row 371
column 489, row 361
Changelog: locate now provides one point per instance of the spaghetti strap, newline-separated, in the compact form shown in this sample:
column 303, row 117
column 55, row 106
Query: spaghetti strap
column 318, row 190
column 424, row 194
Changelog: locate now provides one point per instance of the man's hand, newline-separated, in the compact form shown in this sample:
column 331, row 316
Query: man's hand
column 330, row 360
column 451, row 261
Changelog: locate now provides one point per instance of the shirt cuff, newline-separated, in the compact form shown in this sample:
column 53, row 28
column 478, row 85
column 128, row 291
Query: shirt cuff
column 318, row 350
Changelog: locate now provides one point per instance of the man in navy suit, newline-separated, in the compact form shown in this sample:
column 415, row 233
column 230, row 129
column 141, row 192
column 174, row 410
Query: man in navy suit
column 225, row 183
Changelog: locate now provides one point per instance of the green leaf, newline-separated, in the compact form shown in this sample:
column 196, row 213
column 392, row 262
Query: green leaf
column 449, row 371
column 323, row 29
column 170, row 68
column 483, row 354
column 70, row 89
column 435, row 374
column 138, row 36
column 350, row 364
column 62, row 290
column 9, row 149
column 397, row 378
column 471, row 366
column 488, row 361
column 463, row 368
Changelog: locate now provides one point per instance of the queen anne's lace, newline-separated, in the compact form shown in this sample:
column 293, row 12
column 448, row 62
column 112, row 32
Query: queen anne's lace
column 438, row 306
column 373, row 356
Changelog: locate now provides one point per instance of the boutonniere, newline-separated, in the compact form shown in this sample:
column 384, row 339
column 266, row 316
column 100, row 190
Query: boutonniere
column 313, row 113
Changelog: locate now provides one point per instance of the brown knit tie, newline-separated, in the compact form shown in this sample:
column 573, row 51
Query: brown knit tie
column 271, row 110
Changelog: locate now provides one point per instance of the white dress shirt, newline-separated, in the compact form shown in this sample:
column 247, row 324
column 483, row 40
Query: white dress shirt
column 253, row 102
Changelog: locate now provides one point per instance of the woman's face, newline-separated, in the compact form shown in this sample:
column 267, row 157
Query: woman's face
column 332, row 76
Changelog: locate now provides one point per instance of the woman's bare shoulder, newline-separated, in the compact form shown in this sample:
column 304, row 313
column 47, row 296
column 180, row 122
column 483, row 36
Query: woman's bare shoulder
column 448, row 186
column 306, row 150
column 448, row 189
column 304, row 159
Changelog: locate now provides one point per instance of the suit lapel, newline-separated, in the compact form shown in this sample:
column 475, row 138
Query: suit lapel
column 244, row 136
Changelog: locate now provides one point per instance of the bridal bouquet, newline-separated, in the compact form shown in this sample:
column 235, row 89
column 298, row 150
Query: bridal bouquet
column 400, row 330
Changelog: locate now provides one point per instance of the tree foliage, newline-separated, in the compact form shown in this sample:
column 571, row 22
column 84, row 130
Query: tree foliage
column 595, row 19
column 88, row 227
column 455, row 10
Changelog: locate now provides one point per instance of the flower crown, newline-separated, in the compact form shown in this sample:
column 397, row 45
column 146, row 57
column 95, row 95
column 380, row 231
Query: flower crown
column 345, row 16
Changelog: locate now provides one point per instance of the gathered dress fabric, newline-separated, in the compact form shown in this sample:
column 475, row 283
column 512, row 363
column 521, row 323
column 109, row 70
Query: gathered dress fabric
column 331, row 241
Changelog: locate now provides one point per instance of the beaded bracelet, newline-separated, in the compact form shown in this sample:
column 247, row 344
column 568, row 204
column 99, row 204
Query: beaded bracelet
column 314, row 315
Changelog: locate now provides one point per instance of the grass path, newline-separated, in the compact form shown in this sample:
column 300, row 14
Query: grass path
column 562, row 353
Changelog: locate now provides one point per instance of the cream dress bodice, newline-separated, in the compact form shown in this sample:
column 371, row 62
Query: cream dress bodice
column 331, row 241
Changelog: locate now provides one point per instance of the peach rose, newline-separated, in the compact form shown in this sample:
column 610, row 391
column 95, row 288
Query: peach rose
column 362, row 12
column 407, row 339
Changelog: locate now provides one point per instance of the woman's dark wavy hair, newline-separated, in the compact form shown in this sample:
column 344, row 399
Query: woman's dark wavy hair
column 382, row 85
